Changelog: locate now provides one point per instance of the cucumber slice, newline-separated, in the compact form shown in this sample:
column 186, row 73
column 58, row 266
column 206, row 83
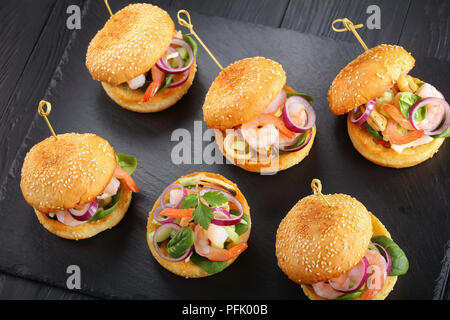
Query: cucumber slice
column 232, row 235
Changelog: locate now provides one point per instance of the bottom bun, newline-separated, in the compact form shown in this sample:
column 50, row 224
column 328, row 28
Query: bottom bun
column 189, row 269
column 132, row 99
column 378, row 230
column 89, row 229
column 367, row 146
column 284, row 161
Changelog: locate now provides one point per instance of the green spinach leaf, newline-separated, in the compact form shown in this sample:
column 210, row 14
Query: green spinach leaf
column 103, row 212
column 406, row 101
column 192, row 43
column 241, row 228
column 167, row 81
column 372, row 131
column 126, row 162
column 181, row 242
column 400, row 263
column 210, row 267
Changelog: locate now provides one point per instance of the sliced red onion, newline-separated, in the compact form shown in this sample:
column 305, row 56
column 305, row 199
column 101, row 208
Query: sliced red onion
column 357, row 275
column 183, row 80
column 155, row 243
column 387, row 256
column 162, row 198
column 369, row 108
column 88, row 211
column 275, row 104
column 438, row 129
column 158, row 218
column 304, row 144
column 164, row 66
column 230, row 220
column 297, row 101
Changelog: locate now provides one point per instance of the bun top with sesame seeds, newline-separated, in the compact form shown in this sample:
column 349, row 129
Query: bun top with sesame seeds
column 242, row 91
column 316, row 242
column 62, row 173
column 130, row 43
column 368, row 77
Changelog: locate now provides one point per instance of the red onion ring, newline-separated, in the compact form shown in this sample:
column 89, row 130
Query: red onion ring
column 438, row 129
column 311, row 114
column 163, row 195
column 158, row 218
column 387, row 258
column 155, row 243
column 276, row 102
column 228, row 221
column 369, row 108
column 86, row 213
column 361, row 281
column 162, row 65
column 304, row 144
column 182, row 81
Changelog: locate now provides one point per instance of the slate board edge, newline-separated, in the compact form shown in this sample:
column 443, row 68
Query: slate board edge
column 441, row 282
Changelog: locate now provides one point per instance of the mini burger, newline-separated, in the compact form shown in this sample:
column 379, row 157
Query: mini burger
column 144, row 65
column 77, row 185
column 261, row 125
column 199, row 225
column 394, row 120
column 337, row 250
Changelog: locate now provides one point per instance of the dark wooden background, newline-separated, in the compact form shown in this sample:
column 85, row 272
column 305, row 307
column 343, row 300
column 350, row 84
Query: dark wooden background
column 33, row 37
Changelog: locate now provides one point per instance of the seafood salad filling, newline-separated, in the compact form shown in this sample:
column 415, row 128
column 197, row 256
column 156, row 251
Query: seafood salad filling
column 284, row 127
column 200, row 219
column 171, row 71
column 383, row 259
column 105, row 203
column 410, row 114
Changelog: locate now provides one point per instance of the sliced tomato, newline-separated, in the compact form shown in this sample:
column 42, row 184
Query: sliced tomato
column 396, row 114
column 121, row 174
column 396, row 137
column 177, row 213
column 385, row 144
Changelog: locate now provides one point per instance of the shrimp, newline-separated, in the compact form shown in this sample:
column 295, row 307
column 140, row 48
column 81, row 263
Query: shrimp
column 377, row 279
column 204, row 249
column 395, row 114
column 435, row 115
column 123, row 175
column 325, row 290
column 157, row 79
column 395, row 137
column 265, row 130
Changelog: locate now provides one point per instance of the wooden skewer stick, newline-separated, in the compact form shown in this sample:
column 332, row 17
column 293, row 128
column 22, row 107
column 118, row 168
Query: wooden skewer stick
column 316, row 186
column 188, row 24
column 349, row 26
column 44, row 113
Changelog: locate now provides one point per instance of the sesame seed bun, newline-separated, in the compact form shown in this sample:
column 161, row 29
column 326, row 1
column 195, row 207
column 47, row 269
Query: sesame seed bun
column 88, row 229
column 284, row 162
column 315, row 242
column 189, row 269
column 378, row 230
column 130, row 43
column 132, row 99
column 59, row 174
column 368, row 77
column 367, row 146
column 242, row 91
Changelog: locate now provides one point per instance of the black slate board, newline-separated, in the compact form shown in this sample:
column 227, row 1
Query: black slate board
column 117, row 264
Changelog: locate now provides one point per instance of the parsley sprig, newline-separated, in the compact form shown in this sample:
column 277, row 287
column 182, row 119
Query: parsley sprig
column 203, row 214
